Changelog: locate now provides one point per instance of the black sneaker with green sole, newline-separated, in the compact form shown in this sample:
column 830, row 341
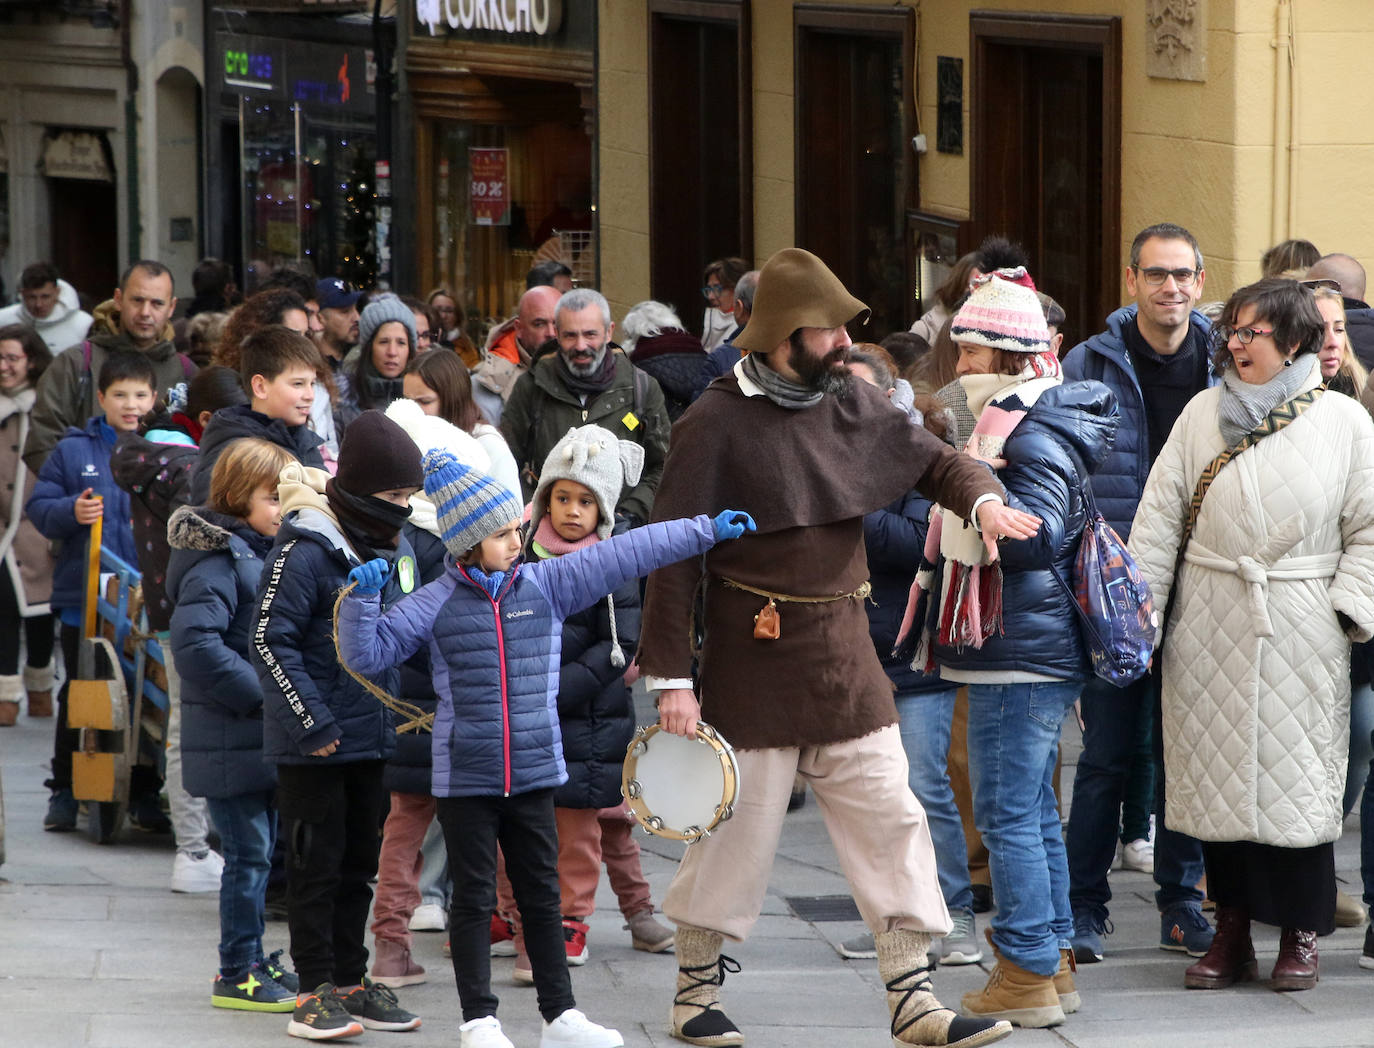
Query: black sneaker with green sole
column 323, row 1017
column 273, row 966
column 377, row 1008
column 254, row 991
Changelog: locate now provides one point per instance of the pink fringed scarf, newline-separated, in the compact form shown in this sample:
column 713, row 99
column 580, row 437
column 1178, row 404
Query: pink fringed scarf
column 970, row 587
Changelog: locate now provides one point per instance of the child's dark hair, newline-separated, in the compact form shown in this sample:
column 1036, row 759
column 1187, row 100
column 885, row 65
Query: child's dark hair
column 124, row 365
column 214, row 387
column 272, row 349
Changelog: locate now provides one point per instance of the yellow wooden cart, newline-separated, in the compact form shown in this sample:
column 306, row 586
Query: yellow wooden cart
column 118, row 696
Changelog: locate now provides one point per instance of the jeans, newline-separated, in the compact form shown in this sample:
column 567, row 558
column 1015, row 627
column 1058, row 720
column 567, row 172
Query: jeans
column 1112, row 719
column 1013, row 741
column 924, row 719
column 525, row 828
column 1361, row 744
column 247, row 827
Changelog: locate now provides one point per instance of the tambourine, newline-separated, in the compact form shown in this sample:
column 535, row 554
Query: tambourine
column 680, row 788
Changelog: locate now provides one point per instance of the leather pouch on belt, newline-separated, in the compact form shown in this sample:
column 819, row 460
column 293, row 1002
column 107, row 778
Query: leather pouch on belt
column 767, row 623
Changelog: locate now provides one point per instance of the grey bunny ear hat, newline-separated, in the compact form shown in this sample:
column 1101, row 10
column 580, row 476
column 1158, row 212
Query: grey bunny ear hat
column 597, row 459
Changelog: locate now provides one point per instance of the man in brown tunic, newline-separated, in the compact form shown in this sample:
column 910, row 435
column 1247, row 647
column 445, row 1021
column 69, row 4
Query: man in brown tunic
column 788, row 436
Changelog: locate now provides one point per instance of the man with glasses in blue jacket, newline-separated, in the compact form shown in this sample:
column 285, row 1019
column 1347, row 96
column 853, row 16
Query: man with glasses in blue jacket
column 1154, row 356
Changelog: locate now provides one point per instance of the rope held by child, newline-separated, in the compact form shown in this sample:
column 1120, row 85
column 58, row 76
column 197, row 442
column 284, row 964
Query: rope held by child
column 417, row 719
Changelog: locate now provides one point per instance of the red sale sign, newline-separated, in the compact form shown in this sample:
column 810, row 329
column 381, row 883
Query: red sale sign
column 489, row 186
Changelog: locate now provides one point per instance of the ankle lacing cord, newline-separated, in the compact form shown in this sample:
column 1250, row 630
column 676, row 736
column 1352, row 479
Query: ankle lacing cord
column 921, row 985
column 717, row 968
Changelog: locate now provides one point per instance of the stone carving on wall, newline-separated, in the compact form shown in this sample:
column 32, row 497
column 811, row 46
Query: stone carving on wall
column 1176, row 39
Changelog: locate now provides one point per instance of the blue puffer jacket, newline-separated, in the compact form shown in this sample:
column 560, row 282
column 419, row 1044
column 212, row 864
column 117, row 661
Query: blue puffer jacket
column 408, row 771
column 496, row 661
column 1120, row 480
column 212, row 579
column 594, row 707
column 1069, row 424
column 309, row 700
column 81, row 460
column 894, row 537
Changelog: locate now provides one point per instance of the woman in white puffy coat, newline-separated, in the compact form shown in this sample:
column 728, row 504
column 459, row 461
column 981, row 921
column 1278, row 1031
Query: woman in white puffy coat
column 1274, row 583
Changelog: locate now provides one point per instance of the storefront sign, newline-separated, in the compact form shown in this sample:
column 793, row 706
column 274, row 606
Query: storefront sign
column 489, row 188
column 250, row 68
column 77, row 154
column 317, row 74
column 511, row 17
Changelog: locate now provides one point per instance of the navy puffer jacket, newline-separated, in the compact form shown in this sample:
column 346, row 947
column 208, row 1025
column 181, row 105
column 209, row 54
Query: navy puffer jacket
column 1070, row 424
column 408, row 771
column 309, row 700
column 496, row 660
column 894, row 537
column 594, row 706
column 234, row 423
column 212, row 580
column 1120, row 479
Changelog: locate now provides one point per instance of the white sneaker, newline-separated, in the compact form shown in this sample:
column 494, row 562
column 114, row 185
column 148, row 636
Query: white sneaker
column 197, row 873
column 1138, row 855
column 428, row 917
column 483, row 1033
column 572, row 1029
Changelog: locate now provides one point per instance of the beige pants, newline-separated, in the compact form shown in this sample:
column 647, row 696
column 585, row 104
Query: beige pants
column 876, row 825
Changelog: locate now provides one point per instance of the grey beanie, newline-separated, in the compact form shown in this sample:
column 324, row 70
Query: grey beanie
column 384, row 309
column 597, row 459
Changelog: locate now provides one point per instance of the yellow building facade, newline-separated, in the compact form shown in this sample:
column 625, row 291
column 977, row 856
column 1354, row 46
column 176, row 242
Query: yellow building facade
column 1248, row 121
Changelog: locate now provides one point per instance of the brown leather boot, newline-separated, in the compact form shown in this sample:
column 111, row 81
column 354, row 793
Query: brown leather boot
column 1296, row 968
column 1231, row 957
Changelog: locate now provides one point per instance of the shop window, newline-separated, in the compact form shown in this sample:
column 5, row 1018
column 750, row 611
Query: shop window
column 700, row 144
column 1046, row 129
column 855, row 169
column 308, row 191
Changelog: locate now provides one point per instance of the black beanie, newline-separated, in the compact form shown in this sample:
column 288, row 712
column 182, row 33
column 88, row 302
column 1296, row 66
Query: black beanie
column 377, row 455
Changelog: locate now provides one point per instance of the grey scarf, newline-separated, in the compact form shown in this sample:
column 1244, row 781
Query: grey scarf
column 1244, row 406
column 779, row 390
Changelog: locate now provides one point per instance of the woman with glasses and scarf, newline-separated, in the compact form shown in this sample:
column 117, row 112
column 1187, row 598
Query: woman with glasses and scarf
column 1256, row 532
column 718, row 288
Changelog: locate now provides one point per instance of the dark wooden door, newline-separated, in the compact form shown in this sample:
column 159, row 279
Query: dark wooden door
column 853, row 178
column 700, row 193
column 85, row 235
column 1045, row 146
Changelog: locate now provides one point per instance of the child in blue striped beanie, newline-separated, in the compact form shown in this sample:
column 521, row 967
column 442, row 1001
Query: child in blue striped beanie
column 493, row 625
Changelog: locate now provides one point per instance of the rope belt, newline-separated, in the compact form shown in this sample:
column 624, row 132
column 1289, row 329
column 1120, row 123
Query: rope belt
column 862, row 593
column 768, row 622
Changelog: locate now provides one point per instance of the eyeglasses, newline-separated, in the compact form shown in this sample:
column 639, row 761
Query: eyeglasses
column 712, row 289
column 1322, row 282
column 18, row 359
column 1245, row 335
column 1155, row 276
column 433, row 336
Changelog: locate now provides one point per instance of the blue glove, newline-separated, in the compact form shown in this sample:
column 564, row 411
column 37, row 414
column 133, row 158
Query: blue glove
column 732, row 523
column 370, row 577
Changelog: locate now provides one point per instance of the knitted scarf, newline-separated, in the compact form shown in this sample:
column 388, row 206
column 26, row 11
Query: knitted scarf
column 588, row 385
column 548, row 543
column 779, row 390
column 1244, row 405
column 970, row 595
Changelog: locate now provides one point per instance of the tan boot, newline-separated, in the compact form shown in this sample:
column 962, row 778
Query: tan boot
column 10, row 691
column 918, row 1018
column 696, row 1016
column 1069, row 998
column 38, row 683
column 1018, row 996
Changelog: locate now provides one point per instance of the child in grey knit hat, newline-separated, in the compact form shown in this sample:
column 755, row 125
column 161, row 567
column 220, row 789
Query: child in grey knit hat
column 493, row 625
column 574, row 507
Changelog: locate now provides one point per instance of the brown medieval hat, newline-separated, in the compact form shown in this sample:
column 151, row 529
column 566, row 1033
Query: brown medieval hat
column 796, row 290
